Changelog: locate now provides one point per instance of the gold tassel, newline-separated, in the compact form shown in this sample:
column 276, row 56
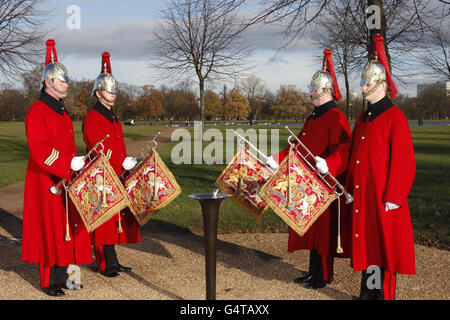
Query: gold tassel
column 120, row 224
column 339, row 248
column 67, row 237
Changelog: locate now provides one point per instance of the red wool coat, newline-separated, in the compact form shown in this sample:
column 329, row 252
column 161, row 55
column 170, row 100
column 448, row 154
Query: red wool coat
column 96, row 125
column 327, row 136
column 381, row 169
column 51, row 142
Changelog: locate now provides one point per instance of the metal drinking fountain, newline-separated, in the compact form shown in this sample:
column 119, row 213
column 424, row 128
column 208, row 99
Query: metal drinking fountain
column 210, row 203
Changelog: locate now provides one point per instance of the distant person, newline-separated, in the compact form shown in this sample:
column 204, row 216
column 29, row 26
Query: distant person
column 380, row 175
column 100, row 121
column 326, row 134
column 52, row 237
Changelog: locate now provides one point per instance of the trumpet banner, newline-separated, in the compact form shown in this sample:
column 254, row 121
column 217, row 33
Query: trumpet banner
column 150, row 188
column 243, row 178
column 296, row 194
column 87, row 193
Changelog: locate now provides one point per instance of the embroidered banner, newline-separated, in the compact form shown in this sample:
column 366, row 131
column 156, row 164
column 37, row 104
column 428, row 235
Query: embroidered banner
column 150, row 188
column 296, row 194
column 98, row 193
column 243, row 178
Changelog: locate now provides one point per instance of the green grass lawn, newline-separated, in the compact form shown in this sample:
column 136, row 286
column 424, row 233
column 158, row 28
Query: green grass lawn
column 429, row 198
column 14, row 149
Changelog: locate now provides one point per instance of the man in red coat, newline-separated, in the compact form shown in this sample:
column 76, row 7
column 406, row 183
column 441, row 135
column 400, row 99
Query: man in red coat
column 100, row 121
column 380, row 175
column 53, row 236
column 326, row 133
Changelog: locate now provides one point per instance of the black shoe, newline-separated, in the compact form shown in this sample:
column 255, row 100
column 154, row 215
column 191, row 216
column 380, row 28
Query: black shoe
column 316, row 284
column 110, row 272
column 304, row 279
column 54, row 291
column 121, row 268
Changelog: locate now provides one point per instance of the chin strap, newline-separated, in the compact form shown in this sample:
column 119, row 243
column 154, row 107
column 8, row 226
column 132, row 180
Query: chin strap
column 111, row 102
column 324, row 92
column 64, row 94
column 365, row 95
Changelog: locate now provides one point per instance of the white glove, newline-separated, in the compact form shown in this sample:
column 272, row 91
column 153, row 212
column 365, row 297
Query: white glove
column 272, row 163
column 77, row 163
column 391, row 206
column 129, row 163
column 350, row 199
column 321, row 165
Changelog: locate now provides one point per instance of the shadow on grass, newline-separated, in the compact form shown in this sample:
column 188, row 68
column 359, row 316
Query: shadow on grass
column 14, row 150
column 432, row 149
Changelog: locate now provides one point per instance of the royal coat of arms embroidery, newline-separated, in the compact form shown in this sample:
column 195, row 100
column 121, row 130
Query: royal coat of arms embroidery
column 97, row 193
column 296, row 194
column 150, row 188
column 243, row 178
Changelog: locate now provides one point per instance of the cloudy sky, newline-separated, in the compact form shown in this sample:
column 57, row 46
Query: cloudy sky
column 125, row 28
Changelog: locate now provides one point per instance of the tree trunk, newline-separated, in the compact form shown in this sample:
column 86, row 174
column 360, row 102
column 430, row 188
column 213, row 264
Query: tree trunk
column 382, row 31
column 202, row 99
column 347, row 86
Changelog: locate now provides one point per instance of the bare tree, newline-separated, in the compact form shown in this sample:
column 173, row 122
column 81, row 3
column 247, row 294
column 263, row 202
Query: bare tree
column 403, row 23
column 21, row 36
column 336, row 31
column 201, row 39
column 254, row 89
column 436, row 57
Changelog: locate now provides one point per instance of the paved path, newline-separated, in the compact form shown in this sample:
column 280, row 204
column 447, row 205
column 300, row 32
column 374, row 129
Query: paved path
column 170, row 266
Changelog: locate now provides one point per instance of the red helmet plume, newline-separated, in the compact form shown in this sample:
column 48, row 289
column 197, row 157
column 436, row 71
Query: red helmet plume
column 329, row 67
column 378, row 49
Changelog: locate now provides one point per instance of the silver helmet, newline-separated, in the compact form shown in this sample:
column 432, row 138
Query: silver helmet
column 321, row 80
column 325, row 79
column 105, row 81
column 53, row 69
column 375, row 72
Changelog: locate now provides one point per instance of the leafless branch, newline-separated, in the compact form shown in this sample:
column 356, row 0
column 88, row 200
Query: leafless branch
column 200, row 38
column 21, row 36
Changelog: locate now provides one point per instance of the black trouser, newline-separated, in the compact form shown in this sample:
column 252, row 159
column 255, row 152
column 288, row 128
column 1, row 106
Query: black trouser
column 321, row 267
column 377, row 285
column 106, row 256
column 52, row 275
column 315, row 264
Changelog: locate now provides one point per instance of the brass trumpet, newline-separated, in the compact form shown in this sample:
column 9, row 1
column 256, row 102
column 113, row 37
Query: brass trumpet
column 144, row 153
column 56, row 189
column 348, row 196
column 241, row 138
